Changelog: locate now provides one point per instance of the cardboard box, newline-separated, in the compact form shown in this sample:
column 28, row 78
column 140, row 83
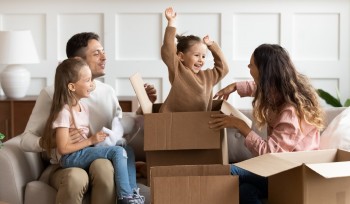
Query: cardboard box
column 182, row 138
column 190, row 184
column 305, row 177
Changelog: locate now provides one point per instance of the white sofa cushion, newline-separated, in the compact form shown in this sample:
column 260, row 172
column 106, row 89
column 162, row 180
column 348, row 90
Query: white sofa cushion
column 40, row 193
column 337, row 133
column 237, row 150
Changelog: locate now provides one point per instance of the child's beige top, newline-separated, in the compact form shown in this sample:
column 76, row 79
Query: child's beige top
column 190, row 91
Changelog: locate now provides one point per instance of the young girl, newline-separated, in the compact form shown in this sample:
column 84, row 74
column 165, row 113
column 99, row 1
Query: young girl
column 285, row 102
column 72, row 83
column 191, row 87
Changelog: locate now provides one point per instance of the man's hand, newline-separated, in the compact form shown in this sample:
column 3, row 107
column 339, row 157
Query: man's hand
column 41, row 143
column 75, row 135
column 152, row 95
column 151, row 92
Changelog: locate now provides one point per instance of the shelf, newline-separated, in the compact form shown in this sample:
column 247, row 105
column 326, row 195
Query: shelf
column 14, row 115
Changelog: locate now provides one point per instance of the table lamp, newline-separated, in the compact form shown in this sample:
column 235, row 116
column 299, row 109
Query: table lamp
column 16, row 48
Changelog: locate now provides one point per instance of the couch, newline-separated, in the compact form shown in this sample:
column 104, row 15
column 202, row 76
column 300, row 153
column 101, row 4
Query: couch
column 24, row 176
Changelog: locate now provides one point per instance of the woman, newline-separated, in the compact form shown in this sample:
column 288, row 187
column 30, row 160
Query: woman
column 284, row 101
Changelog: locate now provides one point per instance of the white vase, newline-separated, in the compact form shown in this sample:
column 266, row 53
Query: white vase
column 15, row 81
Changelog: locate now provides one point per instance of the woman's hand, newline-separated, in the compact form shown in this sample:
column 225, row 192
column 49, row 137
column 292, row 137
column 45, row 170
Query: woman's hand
column 225, row 92
column 220, row 121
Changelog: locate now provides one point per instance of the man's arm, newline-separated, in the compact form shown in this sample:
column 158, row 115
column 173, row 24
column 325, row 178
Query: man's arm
column 30, row 138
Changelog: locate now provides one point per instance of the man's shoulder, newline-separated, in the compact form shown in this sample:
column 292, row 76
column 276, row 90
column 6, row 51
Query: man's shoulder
column 49, row 89
column 47, row 92
column 103, row 87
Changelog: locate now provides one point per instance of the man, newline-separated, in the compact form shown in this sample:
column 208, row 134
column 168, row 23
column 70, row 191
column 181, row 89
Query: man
column 72, row 183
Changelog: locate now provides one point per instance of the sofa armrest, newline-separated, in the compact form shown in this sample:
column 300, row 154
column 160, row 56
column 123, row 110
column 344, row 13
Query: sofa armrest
column 17, row 168
column 331, row 113
column 133, row 125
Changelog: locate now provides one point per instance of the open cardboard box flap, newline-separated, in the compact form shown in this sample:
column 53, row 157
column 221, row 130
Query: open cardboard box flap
column 138, row 85
column 323, row 162
column 331, row 169
column 267, row 165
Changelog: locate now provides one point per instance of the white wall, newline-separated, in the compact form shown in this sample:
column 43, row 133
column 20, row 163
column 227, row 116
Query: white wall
column 315, row 32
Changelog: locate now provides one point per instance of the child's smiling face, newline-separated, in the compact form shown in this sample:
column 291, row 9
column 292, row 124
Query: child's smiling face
column 194, row 57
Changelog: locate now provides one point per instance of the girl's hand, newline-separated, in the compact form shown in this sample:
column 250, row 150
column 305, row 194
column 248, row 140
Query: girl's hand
column 170, row 14
column 225, row 92
column 207, row 41
column 98, row 137
column 220, row 121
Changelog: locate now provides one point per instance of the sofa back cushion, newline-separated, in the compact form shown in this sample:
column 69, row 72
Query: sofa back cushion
column 337, row 133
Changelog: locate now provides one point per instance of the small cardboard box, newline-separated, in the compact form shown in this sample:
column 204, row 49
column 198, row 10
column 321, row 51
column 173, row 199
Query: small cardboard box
column 191, row 184
column 306, row 177
column 182, row 138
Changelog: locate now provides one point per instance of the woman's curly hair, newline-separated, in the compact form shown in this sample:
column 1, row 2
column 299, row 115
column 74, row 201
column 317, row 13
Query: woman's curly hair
column 279, row 84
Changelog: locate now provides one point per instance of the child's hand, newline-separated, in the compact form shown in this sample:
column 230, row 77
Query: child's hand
column 98, row 137
column 170, row 14
column 207, row 41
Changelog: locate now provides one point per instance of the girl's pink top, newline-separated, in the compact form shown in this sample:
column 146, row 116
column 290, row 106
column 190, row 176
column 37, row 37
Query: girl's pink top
column 285, row 133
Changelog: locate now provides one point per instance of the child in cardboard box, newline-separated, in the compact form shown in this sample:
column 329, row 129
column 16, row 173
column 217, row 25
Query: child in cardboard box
column 191, row 87
column 72, row 83
column 284, row 101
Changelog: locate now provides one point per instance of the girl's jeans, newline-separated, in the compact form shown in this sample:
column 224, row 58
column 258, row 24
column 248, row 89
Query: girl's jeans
column 252, row 188
column 123, row 163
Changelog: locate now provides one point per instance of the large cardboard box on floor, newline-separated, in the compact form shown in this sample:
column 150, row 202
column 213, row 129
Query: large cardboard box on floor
column 193, row 184
column 309, row 177
column 182, row 138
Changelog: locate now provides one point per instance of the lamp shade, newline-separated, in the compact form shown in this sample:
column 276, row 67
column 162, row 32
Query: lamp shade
column 16, row 48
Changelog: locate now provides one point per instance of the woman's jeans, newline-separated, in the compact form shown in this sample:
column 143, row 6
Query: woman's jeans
column 252, row 188
column 123, row 163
